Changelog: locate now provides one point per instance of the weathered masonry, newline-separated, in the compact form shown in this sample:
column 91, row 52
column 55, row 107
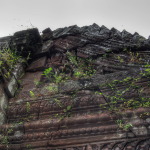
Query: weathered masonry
column 75, row 89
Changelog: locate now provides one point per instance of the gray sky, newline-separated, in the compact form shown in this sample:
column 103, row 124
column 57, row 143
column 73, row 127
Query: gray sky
column 132, row 15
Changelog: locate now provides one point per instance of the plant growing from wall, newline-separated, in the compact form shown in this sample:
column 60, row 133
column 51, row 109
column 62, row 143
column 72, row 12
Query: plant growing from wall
column 65, row 110
column 117, row 101
column 32, row 95
column 48, row 73
column 4, row 136
column 72, row 59
column 28, row 146
column 122, row 125
column 28, row 107
column 53, row 88
column 53, row 76
column 81, row 67
column 37, row 83
column 8, row 59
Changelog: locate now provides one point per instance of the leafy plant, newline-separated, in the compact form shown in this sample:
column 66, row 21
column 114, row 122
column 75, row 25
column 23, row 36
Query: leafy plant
column 122, row 125
column 67, row 111
column 119, row 123
column 32, row 94
column 78, row 74
column 8, row 59
column 120, row 59
column 51, row 76
column 58, row 102
column 68, row 108
column 28, row 146
column 9, row 56
column 127, row 79
column 52, row 88
column 147, row 70
column 36, row 82
column 28, row 106
column 58, row 78
column 48, row 73
column 4, row 140
column 134, row 57
column 127, row 126
column 72, row 59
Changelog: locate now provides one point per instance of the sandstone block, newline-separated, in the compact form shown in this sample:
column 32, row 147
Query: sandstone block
column 12, row 87
column 37, row 65
column 3, row 99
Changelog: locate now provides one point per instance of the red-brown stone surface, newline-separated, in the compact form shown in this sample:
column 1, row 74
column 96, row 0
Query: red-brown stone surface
column 108, row 109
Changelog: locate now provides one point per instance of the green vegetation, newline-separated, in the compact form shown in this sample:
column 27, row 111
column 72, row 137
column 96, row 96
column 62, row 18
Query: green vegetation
column 37, row 83
column 4, row 140
column 117, row 101
column 4, row 136
column 72, row 59
column 28, row 107
column 146, row 71
column 8, row 59
column 52, row 88
column 65, row 110
column 32, row 94
column 28, row 146
column 79, row 68
column 124, row 126
column 48, row 73
column 120, row 59
column 53, row 76
column 58, row 102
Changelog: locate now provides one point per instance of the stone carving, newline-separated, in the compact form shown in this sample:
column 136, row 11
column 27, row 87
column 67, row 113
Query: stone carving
column 107, row 108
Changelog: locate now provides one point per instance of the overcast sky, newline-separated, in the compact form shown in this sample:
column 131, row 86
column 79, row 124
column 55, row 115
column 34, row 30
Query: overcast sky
column 132, row 15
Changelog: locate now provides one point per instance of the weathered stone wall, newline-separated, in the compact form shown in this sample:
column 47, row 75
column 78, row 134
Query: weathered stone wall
column 84, row 112
column 25, row 43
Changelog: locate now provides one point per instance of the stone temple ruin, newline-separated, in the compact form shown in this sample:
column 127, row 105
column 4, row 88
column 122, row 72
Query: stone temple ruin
column 75, row 88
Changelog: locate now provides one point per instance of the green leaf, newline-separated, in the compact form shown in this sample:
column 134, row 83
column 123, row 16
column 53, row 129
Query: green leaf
column 68, row 107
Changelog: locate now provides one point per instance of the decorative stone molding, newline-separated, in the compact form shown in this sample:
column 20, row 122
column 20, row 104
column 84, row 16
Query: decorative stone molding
column 106, row 110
